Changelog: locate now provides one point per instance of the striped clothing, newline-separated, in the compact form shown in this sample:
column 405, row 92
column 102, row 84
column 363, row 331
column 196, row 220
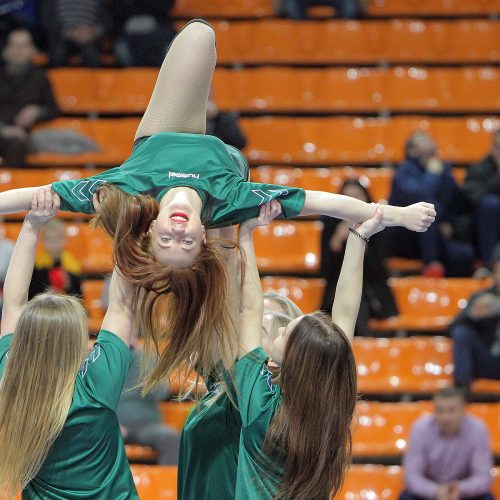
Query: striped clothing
column 75, row 13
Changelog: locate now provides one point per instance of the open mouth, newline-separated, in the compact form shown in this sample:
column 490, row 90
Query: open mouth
column 179, row 218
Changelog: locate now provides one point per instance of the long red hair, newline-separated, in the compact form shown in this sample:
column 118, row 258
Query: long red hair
column 184, row 308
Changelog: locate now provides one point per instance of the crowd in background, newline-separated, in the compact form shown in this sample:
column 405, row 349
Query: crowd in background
column 463, row 241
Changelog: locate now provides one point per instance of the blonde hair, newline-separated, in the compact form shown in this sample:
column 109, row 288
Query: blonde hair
column 36, row 391
column 288, row 312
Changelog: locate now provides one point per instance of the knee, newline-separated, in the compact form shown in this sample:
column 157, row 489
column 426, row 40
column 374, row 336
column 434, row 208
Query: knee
column 461, row 334
column 489, row 203
column 201, row 29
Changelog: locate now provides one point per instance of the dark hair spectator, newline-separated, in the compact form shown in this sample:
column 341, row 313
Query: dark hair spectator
column 424, row 176
column 377, row 300
column 482, row 191
column 476, row 334
column 26, row 97
column 56, row 268
column 449, row 455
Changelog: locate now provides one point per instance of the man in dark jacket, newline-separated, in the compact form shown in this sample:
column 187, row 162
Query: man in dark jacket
column 26, row 97
column 476, row 334
column 424, row 176
column 482, row 191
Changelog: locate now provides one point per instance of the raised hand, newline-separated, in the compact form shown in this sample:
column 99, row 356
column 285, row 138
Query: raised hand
column 372, row 226
column 44, row 205
column 418, row 217
column 268, row 212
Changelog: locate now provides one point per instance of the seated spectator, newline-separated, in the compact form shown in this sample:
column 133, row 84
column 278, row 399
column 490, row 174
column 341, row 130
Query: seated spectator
column 482, row 191
column 26, row 97
column 449, row 455
column 423, row 176
column 297, row 9
column 55, row 267
column 377, row 300
column 476, row 334
column 6, row 249
column 143, row 31
column 73, row 26
column 140, row 417
column 224, row 125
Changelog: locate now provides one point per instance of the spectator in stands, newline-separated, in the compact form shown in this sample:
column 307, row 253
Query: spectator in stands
column 224, row 125
column 449, row 455
column 6, row 249
column 73, row 25
column 56, row 268
column 140, row 417
column 143, row 30
column 424, row 176
column 297, row 9
column 476, row 334
column 26, row 97
column 377, row 299
column 482, row 191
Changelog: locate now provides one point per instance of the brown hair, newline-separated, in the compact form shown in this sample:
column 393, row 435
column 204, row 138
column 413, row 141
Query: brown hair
column 310, row 434
column 185, row 308
column 48, row 347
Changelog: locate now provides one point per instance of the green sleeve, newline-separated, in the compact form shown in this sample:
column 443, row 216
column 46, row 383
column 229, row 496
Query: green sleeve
column 76, row 194
column 243, row 202
column 5, row 342
column 103, row 373
column 258, row 397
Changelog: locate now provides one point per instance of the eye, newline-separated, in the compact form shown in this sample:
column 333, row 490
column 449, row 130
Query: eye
column 187, row 242
column 165, row 239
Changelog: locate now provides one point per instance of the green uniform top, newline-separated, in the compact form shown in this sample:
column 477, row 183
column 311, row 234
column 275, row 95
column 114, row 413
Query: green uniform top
column 204, row 163
column 88, row 460
column 208, row 455
column 258, row 400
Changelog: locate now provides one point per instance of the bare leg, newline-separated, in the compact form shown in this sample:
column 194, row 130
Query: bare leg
column 179, row 99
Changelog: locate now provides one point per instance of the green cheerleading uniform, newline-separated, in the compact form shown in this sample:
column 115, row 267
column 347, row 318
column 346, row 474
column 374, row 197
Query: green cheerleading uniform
column 258, row 400
column 216, row 171
column 88, row 460
column 208, row 455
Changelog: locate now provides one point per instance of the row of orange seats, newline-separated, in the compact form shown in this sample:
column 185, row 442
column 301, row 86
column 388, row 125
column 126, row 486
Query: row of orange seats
column 363, row 482
column 81, row 90
column 306, row 141
column 378, row 181
column 264, row 8
column 355, row 42
column 380, row 430
column 397, row 365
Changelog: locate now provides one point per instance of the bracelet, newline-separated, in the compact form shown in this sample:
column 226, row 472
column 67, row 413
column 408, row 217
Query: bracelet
column 359, row 235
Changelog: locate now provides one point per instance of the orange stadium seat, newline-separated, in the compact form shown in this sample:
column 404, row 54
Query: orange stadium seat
column 92, row 298
column 175, row 413
column 288, row 246
column 496, row 482
column 306, row 293
column 157, row 482
column 432, row 8
column 361, row 140
column 223, row 8
column 376, row 180
column 354, row 42
column 81, row 90
column 428, row 304
column 366, row 482
column 306, row 141
column 414, row 365
column 92, row 248
column 358, row 89
column 383, row 429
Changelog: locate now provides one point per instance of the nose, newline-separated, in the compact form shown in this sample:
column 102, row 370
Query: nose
column 177, row 229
